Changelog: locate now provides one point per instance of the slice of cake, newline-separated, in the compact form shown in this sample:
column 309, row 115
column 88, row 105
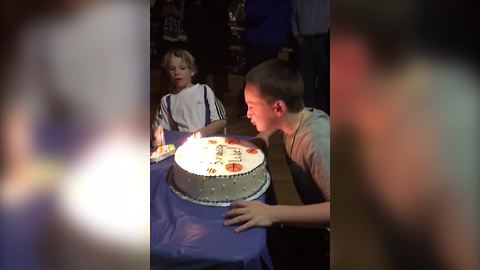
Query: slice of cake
column 219, row 170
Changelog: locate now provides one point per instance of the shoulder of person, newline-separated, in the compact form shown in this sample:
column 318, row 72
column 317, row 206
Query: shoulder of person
column 319, row 120
column 191, row 89
column 318, row 125
column 197, row 86
column 208, row 88
column 164, row 98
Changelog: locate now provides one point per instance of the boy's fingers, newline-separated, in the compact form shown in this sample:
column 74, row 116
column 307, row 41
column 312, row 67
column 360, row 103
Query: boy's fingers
column 236, row 220
column 245, row 226
column 234, row 212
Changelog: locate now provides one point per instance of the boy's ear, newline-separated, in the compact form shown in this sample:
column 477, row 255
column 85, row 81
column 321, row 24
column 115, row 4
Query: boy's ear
column 279, row 107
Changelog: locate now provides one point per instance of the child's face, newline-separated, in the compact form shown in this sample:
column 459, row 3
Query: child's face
column 179, row 73
column 260, row 112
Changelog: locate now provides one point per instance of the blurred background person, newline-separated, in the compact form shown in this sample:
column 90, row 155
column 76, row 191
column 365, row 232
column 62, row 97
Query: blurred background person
column 404, row 123
column 311, row 31
column 74, row 152
column 170, row 32
column 206, row 23
column 267, row 28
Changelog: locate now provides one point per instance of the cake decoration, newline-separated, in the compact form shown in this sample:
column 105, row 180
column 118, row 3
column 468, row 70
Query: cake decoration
column 232, row 140
column 221, row 170
column 233, row 167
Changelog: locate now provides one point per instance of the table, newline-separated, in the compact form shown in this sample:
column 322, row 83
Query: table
column 187, row 236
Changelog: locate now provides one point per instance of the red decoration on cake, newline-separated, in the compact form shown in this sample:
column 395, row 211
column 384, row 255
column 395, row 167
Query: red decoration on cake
column 233, row 167
column 232, row 140
column 211, row 170
column 252, row 151
column 212, row 141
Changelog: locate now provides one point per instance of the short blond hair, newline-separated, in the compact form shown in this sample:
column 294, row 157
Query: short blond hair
column 182, row 54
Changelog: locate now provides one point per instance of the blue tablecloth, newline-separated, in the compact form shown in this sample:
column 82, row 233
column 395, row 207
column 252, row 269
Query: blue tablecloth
column 187, row 236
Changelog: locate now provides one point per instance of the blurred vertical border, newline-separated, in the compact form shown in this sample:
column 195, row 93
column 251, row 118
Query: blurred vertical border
column 405, row 134
column 74, row 133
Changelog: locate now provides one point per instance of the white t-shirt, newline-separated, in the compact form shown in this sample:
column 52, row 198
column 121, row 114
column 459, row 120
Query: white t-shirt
column 187, row 110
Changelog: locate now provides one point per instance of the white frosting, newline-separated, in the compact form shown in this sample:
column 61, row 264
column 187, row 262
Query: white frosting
column 200, row 156
column 202, row 170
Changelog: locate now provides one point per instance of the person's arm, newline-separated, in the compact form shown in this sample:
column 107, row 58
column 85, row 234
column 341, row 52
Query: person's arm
column 294, row 19
column 295, row 26
column 317, row 158
column 162, row 116
column 214, row 127
column 158, row 136
column 218, row 115
column 257, row 214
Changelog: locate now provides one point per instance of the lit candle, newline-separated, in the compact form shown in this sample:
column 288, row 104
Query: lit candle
column 194, row 150
column 197, row 135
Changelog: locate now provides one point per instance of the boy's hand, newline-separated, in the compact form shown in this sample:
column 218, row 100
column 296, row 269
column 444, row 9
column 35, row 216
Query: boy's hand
column 250, row 213
column 158, row 136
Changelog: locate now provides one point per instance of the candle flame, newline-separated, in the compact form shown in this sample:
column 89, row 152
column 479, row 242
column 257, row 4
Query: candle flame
column 194, row 136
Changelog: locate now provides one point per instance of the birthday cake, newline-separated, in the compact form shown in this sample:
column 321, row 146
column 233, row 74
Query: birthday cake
column 218, row 170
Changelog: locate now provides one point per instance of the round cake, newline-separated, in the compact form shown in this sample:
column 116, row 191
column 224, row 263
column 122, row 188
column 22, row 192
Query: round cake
column 219, row 170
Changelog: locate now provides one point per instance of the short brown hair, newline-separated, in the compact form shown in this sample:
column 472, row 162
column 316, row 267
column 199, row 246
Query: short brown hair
column 180, row 53
column 278, row 80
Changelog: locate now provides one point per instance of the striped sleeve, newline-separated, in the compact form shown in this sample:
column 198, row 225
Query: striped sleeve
column 163, row 114
column 217, row 110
